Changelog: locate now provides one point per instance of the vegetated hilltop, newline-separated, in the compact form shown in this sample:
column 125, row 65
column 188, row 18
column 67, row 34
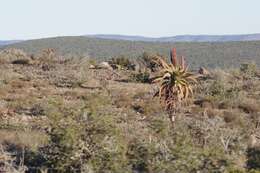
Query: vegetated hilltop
column 183, row 38
column 178, row 38
column 4, row 43
column 59, row 115
column 226, row 54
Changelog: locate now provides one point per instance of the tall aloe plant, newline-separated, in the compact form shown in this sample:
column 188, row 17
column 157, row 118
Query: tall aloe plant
column 175, row 82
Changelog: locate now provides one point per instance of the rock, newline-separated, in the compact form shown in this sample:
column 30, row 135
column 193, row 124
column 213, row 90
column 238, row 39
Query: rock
column 203, row 71
column 254, row 141
column 105, row 65
column 92, row 67
column 25, row 118
column 138, row 67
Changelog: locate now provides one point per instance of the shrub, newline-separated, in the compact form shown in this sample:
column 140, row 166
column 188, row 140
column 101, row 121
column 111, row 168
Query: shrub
column 185, row 157
column 159, row 126
column 7, row 163
column 212, row 113
column 147, row 62
column 233, row 117
column 138, row 156
column 21, row 61
column 222, row 90
column 106, row 143
column 66, row 147
column 253, row 158
column 122, row 62
column 248, row 69
column 148, row 108
column 84, row 140
column 47, row 59
column 143, row 77
column 122, row 99
column 207, row 102
column 93, row 62
column 13, row 55
column 217, row 88
column 249, row 106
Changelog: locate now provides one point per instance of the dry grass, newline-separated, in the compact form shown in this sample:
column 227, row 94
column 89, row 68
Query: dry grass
column 148, row 107
column 23, row 139
column 7, row 163
column 213, row 113
column 233, row 117
column 250, row 106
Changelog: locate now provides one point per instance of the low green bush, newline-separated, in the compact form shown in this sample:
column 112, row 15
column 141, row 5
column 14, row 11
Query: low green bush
column 248, row 69
column 253, row 158
column 123, row 62
column 142, row 77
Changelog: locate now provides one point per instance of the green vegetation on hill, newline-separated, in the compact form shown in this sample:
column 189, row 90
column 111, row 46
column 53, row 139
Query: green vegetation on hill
column 228, row 54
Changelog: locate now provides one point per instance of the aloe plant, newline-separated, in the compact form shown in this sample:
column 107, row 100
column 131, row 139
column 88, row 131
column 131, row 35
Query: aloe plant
column 175, row 82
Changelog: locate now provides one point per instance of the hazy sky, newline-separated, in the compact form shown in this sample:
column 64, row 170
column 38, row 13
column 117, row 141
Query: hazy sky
column 25, row 19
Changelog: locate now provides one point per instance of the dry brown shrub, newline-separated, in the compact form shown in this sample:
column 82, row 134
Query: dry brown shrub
column 7, row 163
column 147, row 108
column 212, row 113
column 196, row 110
column 9, row 55
column 122, row 99
column 205, row 103
column 234, row 118
column 225, row 105
column 18, row 84
column 249, row 106
column 23, row 139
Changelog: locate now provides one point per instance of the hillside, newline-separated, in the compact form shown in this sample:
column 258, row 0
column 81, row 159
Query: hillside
column 183, row 38
column 4, row 42
column 225, row 55
column 60, row 116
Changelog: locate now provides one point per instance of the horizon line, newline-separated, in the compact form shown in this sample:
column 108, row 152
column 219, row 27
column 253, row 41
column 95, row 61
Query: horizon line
column 129, row 35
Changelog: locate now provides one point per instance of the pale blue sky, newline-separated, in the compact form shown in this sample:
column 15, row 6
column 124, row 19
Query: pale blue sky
column 27, row 19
